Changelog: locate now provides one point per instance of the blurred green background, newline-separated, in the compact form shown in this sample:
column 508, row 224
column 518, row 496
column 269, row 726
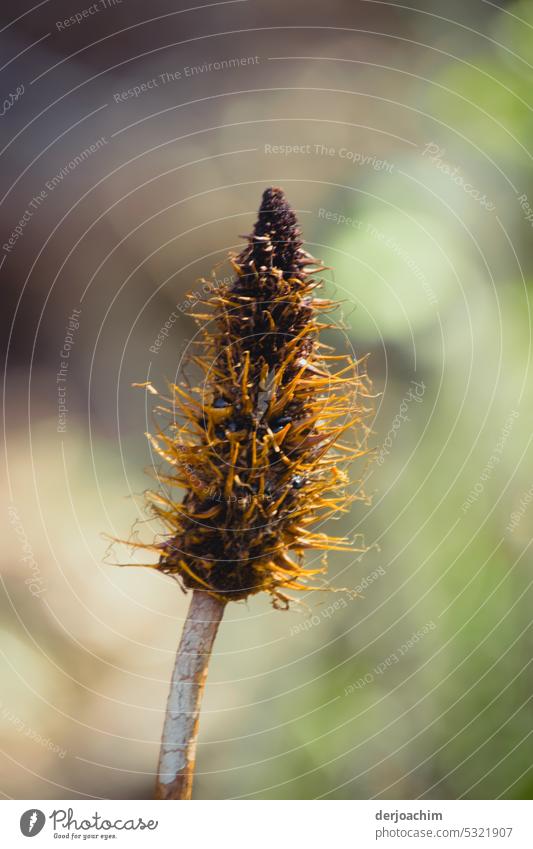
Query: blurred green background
column 402, row 137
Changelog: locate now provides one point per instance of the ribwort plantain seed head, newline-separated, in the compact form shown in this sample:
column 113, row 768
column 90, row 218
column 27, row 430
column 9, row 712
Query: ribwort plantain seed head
column 257, row 445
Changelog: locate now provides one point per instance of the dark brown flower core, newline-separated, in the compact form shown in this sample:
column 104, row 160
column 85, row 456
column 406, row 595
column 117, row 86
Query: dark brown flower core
column 253, row 444
column 275, row 241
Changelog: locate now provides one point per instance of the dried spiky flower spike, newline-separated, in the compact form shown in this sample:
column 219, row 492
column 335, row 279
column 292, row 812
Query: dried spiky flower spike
column 250, row 445
column 257, row 448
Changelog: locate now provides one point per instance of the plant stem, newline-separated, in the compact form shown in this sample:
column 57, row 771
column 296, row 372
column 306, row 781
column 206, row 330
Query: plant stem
column 180, row 731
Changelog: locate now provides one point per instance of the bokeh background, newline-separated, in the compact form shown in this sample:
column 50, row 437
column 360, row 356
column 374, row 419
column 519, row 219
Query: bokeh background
column 402, row 135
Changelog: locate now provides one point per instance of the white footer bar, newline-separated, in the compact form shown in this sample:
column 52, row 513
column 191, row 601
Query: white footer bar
column 267, row 824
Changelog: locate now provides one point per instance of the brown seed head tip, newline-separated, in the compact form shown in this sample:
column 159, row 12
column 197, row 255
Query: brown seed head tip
column 275, row 213
column 275, row 241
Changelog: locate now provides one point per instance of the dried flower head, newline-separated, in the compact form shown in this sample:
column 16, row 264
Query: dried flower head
column 256, row 445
